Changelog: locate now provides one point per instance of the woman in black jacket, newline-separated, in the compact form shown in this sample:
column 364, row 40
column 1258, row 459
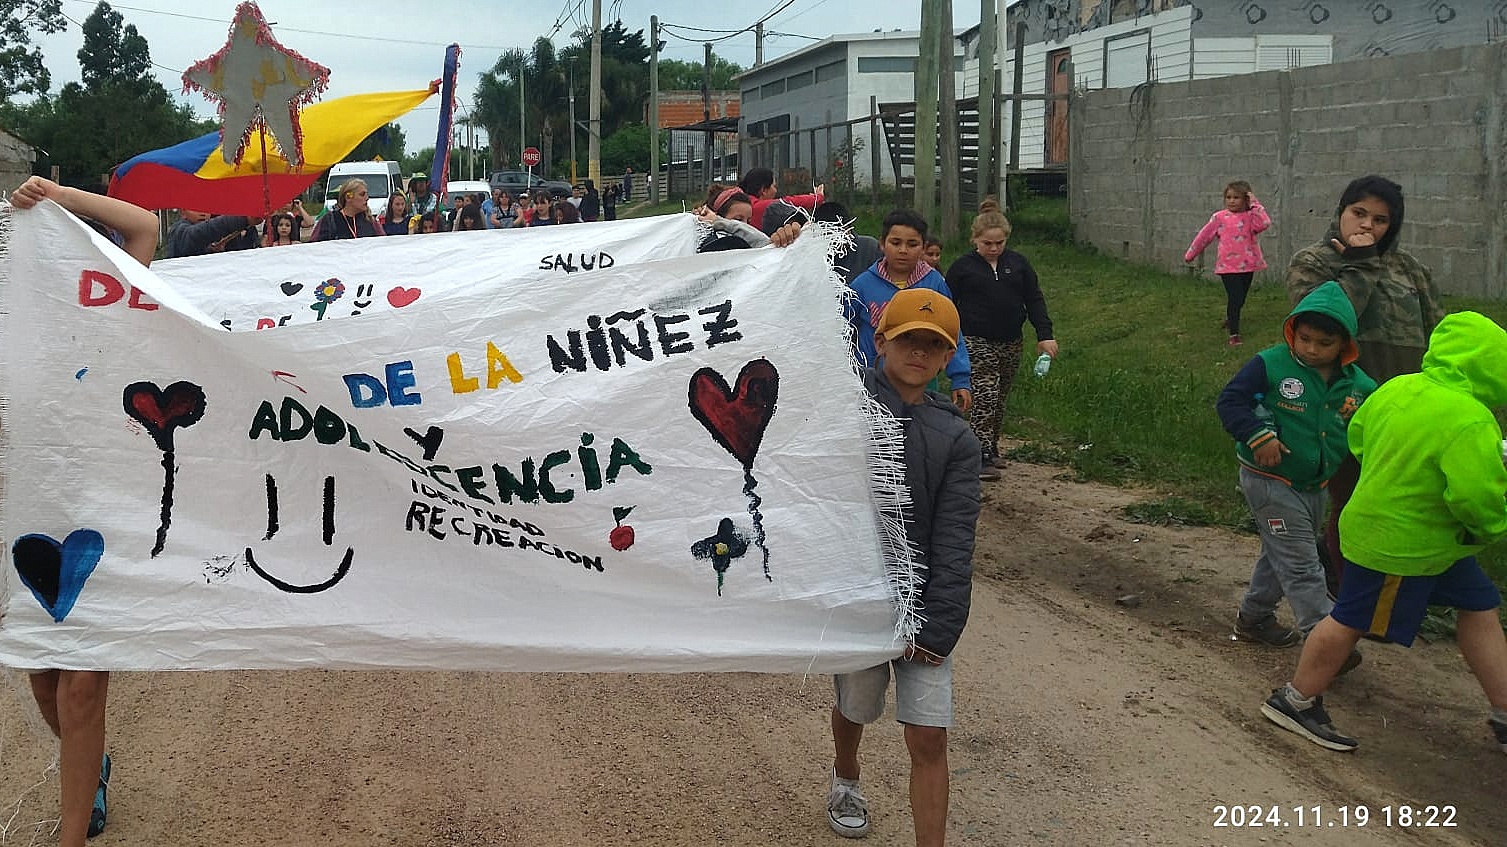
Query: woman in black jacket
column 996, row 292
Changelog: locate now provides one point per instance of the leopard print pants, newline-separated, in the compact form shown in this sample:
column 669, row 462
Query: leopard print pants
column 995, row 364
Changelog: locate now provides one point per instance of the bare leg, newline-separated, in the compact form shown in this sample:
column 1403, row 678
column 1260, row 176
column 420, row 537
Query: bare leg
column 44, row 688
column 1325, row 650
column 1485, row 650
column 73, row 704
column 845, row 738
column 928, row 783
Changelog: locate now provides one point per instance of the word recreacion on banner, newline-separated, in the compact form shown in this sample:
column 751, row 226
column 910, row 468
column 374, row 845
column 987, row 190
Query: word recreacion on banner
column 485, row 529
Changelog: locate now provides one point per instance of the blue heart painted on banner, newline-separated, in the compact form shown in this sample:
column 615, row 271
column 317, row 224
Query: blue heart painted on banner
column 55, row 572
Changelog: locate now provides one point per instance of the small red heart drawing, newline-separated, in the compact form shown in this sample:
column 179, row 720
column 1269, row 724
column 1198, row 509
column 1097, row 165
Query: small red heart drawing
column 736, row 417
column 400, row 296
column 161, row 411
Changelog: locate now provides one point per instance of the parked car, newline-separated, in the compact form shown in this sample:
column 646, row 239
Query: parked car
column 381, row 178
column 522, row 183
column 466, row 186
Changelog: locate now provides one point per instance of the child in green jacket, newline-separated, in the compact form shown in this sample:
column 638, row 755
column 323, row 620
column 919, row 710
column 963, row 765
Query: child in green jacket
column 1288, row 409
column 1432, row 492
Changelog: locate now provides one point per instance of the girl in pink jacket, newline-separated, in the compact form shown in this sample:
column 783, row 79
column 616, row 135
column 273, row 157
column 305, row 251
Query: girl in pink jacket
column 1236, row 226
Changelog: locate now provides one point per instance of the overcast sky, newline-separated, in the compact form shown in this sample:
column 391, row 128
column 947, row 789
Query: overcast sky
column 390, row 45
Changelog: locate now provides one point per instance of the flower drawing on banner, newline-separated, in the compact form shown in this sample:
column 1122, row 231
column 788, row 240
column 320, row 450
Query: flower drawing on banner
column 724, row 546
column 258, row 82
column 329, row 291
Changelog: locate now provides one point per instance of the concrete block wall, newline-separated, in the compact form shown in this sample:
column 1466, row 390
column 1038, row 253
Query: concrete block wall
column 1148, row 165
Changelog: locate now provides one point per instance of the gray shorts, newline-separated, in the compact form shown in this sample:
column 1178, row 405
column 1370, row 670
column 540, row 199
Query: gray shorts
column 923, row 693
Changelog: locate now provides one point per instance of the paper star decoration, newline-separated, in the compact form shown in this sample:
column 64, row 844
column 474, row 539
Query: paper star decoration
column 258, row 82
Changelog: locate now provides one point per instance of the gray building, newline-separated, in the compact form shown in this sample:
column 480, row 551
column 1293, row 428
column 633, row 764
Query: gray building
column 1354, row 28
column 827, row 82
column 1097, row 44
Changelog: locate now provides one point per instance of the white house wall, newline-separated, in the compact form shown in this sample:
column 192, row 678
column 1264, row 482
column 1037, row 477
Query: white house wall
column 1171, row 46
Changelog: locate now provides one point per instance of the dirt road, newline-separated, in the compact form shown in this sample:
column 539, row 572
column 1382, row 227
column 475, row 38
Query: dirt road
column 1080, row 722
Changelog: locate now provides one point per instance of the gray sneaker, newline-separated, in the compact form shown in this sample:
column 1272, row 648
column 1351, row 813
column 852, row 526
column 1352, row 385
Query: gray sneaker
column 1500, row 728
column 1312, row 723
column 847, row 810
column 1266, row 631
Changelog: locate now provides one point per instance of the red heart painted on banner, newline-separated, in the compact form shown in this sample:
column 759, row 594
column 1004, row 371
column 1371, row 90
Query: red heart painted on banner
column 162, row 411
column 736, row 417
column 400, row 296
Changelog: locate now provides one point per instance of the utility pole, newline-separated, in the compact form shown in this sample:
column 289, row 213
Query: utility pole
column 572, row 123
column 1016, row 86
column 522, row 143
column 926, row 109
column 594, row 132
column 988, row 174
column 706, row 114
column 653, row 175
column 947, row 139
column 759, row 44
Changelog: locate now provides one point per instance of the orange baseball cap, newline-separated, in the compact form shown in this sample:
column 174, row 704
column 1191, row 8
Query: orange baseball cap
column 919, row 308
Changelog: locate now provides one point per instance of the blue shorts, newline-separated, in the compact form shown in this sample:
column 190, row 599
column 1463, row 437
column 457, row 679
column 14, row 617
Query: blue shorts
column 1393, row 607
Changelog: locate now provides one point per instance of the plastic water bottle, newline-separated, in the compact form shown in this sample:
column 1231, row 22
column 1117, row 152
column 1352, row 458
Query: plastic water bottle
column 1043, row 364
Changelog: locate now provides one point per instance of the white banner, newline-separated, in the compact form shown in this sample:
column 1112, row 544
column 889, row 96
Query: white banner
column 643, row 466
column 250, row 289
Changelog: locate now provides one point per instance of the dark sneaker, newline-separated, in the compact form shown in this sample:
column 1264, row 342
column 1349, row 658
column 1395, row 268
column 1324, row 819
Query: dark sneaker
column 97, row 815
column 1312, row 723
column 1500, row 728
column 989, row 474
column 1266, row 631
column 1352, row 662
column 1234, row 341
column 847, row 810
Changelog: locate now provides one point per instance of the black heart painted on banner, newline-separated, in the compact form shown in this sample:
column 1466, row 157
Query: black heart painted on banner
column 736, row 417
column 161, row 411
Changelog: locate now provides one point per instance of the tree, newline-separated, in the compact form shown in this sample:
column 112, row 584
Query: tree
column 675, row 75
column 21, row 67
column 546, row 97
column 387, row 142
column 629, row 148
column 547, row 81
column 625, row 74
column 118, row 111
column 112, row 53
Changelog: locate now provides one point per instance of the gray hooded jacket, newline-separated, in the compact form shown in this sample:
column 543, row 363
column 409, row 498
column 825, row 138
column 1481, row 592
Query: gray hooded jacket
column 942, row 460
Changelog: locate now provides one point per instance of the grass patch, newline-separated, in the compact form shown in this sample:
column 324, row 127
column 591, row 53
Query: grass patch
column 1037, row 454
column 1169, row 511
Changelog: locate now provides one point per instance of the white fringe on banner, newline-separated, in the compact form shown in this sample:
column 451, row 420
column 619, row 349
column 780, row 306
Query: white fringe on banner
column 886, row 464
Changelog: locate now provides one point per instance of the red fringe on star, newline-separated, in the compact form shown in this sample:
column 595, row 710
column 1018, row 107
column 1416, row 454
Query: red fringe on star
column 318, row 73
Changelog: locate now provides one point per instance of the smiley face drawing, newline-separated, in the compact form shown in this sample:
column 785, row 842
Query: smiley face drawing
column 329, row 533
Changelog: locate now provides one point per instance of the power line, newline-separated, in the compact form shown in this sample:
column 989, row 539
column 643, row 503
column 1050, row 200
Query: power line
column 778, row 8
column 814, row 7
column 300, row 30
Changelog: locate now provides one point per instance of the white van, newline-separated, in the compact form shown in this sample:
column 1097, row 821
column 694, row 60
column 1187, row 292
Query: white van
column 381, row 178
